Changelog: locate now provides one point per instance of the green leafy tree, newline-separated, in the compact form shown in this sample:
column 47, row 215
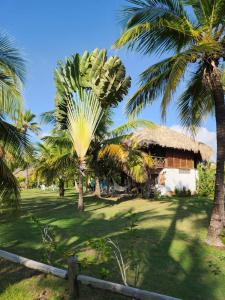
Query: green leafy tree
column 13, row 143
column 191, row 34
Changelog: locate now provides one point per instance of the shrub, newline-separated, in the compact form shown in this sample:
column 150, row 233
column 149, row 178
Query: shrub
column 206, row 180
column 182, row 192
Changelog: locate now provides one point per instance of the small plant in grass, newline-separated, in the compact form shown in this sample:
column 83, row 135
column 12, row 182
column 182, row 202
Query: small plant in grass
column 48, row 239
column 131, row 224
column 133, row 256
column 156, row 194
column 129, row 261
column 101, row 248
column 123, row 266
column 104, row 273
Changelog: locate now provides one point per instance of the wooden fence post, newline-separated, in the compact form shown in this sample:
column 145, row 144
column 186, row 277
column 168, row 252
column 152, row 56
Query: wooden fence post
column 72, row 278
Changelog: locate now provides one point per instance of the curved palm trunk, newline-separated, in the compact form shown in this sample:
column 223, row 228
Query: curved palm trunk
column 97, row 187
column 217, row 216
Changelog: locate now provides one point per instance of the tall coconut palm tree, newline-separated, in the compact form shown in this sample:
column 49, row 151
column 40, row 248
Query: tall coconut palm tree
column 192, row 35
column 12, row 141
column 26, row 123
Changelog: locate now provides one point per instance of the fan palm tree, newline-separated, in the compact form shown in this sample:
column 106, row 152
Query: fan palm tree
column 106, row 77
column 192, row 35
column 25, row 122
column 84, row 85
column 12, row 141
column 84, row 115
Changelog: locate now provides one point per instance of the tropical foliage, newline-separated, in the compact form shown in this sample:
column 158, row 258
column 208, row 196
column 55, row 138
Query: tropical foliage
column 191, row 36
column 55, row 161
column 106, row 77
column 85, row 85
column 206, row 180
column 13, row 142
column 84, row 115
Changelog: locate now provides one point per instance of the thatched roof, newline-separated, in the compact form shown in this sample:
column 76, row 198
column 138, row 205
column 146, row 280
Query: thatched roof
column 166, row 137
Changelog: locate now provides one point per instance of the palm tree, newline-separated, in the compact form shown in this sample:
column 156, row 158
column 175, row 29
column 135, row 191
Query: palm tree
column 101, row 134
column 192, row 35
column 89, row 82
column 54, row 161
column 106, row 77
column 84, row 115
column 25, row 122
column 12, row 141
column 133, row 161
column 128, row 157
column 106, row 138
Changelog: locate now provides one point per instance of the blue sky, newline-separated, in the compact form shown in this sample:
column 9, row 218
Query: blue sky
column 50, row 30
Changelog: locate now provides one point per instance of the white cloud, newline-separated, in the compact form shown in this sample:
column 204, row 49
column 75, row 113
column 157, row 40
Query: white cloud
column 203, row 135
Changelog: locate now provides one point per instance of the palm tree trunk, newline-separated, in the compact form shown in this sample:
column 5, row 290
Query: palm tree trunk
column 27, row 171
column 76, row 185
column 61, row 188
column 27, row 177
column 217, row 216
column 97, row 187
column 80, row 185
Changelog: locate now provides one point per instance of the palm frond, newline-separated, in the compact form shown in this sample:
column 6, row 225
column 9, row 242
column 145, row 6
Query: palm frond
column 61, row 140
column 133, row 162
column 10, row 96
column 13, row 140
column 131, row 124
column 157, row 26
column 48, row 117
column 9, row 191
column 11, row 57
column 191, row 107
column 163, row 78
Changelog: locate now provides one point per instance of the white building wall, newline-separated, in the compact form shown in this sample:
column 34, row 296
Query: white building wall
column 178, row 179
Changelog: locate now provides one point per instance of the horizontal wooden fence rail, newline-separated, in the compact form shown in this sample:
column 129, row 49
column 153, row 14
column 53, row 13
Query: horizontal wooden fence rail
column 32, row 264
column 74, row 278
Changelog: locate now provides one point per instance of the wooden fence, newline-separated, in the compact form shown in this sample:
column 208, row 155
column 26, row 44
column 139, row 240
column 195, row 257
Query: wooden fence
column 74, row 279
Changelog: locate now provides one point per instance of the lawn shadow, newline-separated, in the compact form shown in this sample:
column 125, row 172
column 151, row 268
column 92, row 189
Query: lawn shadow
column 182, row 272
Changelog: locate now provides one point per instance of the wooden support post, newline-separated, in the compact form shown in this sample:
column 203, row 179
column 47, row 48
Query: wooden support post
column 72, row 278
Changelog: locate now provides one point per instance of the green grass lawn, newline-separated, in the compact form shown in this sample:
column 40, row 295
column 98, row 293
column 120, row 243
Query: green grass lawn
column 168, row 240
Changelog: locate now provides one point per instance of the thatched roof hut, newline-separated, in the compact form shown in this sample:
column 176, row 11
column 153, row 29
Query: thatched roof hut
column 166, row 137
